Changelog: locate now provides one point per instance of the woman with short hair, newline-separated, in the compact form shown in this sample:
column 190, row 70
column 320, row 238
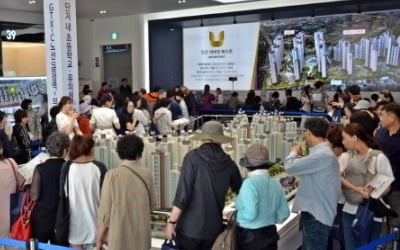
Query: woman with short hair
column 127, row 199
column 45, row 189
column 21, row 135
column 82, row 183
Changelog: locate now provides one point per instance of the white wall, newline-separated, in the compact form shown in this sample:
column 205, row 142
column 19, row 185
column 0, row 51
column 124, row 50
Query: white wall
column 92, row 34
column 21, row 17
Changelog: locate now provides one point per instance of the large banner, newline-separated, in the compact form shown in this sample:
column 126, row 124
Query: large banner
column 61, row 50
column 216, row 55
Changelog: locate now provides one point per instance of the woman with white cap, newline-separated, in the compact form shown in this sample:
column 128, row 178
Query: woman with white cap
column 261, row 203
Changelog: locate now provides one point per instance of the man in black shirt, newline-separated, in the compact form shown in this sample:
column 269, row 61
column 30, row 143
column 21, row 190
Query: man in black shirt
column 125, row 89
column 207, row 174
column 389, row 139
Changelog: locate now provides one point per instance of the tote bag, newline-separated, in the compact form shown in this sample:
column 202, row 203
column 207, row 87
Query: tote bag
column 21, row 230
column 362, row 223
column 227, row 239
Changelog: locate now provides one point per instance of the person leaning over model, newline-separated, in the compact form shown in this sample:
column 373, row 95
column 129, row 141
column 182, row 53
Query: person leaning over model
column 319, row 189
column 207, row 174
column 127, row 199
column 261, row 203
column 45, row 188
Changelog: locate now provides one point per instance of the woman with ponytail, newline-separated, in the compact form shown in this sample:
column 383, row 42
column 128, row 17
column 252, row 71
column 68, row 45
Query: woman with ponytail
column 358, row 165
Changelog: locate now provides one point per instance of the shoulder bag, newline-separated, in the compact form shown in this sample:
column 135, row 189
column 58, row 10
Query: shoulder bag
column 144, row 182
column 15, row 198
column 63, row 213
column 22, row 230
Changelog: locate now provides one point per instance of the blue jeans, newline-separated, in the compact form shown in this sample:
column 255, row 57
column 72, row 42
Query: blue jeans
column 315, row 234
column 349, row 241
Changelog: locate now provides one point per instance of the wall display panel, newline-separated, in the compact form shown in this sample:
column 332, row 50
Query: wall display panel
column 14, row 90
column 361, row 49
column 216, row 54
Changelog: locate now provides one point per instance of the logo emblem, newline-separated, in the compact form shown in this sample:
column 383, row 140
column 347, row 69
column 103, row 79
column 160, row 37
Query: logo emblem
column 216, row 42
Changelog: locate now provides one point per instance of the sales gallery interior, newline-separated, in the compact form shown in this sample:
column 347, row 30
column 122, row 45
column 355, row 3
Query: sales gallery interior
column 182, row 42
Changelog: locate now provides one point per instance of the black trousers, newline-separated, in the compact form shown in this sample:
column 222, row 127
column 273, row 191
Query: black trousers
column 186, row 243
column 265, row 238
column 43, row 223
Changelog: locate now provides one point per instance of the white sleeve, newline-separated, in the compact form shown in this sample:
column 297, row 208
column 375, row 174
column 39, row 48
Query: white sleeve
column 141, row 117
column 93, row 117
column 343, row 161
column 115, row 117
column 61, row 122
column 383, row 165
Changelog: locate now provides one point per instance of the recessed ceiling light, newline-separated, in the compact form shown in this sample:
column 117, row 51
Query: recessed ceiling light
column 181, row 1
column 102, row 11
column 31, row 1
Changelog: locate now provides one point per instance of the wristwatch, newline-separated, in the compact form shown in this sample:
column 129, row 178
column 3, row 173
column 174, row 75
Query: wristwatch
column 171, row 222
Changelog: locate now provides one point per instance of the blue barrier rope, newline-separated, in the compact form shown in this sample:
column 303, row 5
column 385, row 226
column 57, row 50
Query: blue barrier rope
column 378, row 242
column 22, row 244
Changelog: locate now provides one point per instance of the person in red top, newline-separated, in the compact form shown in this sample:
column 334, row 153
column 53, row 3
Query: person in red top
column 84, row 119
column 104, row 90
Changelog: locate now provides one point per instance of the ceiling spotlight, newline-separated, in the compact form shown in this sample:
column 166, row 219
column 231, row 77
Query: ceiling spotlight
column 102, row 11
column 32, row 1
column 181, row 1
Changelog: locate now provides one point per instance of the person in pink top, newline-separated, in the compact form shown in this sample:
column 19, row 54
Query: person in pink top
column 9, row 179
column 207, row 98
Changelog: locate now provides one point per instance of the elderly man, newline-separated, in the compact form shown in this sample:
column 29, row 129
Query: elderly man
column 207, row 173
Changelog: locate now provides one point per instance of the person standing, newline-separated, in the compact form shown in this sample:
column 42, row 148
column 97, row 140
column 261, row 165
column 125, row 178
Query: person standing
column 319, row 98
column 9, row 180
column 104, row 119
column 125, row 90
column 207, row 174
column 319, row 188
column 34, row 126
column 21, row 135
column 66, row 119
column 207, row 98
column 82, row 182
column 127, row 199
column 261, row 203
column 4, row 140
column 388, row 137
column 45, row 188
column 104, row 90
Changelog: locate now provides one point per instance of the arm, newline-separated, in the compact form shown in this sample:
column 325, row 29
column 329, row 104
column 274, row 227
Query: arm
column 283, row 211
column 170, row 228
column 104, row 211
column 116, row 121
column 35, row 185
column 296, row 165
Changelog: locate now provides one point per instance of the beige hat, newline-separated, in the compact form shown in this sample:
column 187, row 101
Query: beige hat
column 212, row 130
column 256, row 155
column 362, row 104
column 87, row 99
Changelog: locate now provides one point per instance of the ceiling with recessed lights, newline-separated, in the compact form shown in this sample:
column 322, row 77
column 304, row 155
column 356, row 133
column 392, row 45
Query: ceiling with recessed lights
column 91, row 8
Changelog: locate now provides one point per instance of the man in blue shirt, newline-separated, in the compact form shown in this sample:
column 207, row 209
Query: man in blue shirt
column 319, row 187
column 388, row 137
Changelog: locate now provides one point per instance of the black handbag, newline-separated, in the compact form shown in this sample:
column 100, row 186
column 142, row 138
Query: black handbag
column 63, row 213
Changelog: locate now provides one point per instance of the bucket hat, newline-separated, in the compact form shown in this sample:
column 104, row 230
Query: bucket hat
column 256, row 155
column 212, row 130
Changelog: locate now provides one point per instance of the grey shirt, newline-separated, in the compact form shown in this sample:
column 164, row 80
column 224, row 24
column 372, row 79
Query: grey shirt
column 319, row 188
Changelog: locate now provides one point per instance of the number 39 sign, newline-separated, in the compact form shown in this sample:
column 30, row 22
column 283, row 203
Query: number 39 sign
column 11, row 34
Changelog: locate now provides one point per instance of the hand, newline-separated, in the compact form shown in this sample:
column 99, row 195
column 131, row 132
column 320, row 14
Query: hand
column 75, row 115
column 363, row 191
column 169, row 232
column 296, row 149
column 99, row 244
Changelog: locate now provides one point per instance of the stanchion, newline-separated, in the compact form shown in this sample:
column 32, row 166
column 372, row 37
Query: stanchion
column 396, row 240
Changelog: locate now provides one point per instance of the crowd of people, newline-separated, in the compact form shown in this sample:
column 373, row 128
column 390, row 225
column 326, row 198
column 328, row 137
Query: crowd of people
column 109, row 207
